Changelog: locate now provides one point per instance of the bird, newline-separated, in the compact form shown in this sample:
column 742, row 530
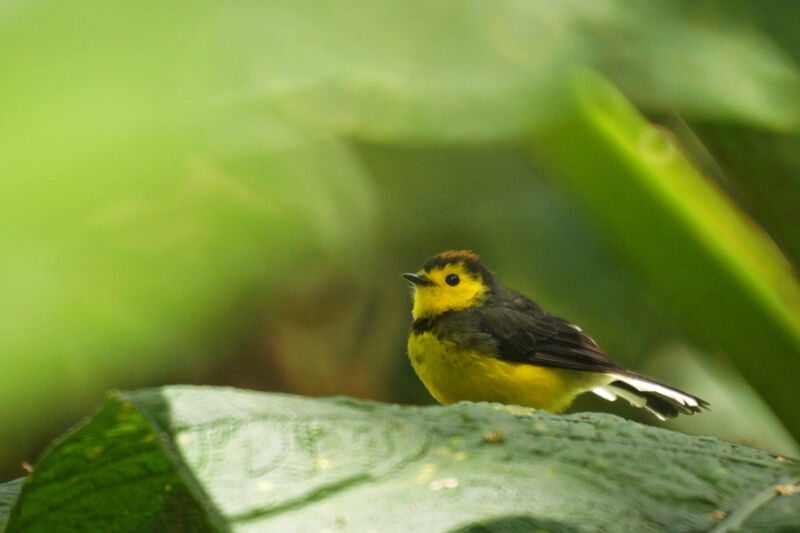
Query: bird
column 474, row 340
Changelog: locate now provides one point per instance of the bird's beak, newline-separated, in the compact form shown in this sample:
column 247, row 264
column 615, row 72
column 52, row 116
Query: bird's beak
column 418, row 279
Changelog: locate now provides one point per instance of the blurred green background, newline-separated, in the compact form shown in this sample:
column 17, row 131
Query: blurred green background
column 227, row 193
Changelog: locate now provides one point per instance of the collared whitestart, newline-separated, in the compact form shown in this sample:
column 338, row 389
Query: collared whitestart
column 473, row 339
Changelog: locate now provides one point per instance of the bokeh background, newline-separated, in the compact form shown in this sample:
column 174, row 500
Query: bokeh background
column 227, row 193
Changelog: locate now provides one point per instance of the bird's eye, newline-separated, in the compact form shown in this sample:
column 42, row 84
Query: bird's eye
column 452, row 279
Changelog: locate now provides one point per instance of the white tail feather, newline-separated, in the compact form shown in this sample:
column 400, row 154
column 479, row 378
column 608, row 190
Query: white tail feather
column 604, row 393
column 645, row 385
column 636, row 401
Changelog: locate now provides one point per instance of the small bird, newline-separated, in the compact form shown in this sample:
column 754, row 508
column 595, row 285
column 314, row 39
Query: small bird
column 473, row 339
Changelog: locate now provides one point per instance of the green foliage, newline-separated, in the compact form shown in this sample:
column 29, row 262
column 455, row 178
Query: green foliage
column 162, row 164
column 184, row 458
column 631, row 175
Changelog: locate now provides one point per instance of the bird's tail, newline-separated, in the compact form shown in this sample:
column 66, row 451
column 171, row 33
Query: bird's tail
column 661, row 400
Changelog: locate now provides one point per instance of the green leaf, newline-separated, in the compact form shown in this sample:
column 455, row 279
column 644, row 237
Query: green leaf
column 721, row 279
column 112, row 473
column 9, row 492
column 193, row 458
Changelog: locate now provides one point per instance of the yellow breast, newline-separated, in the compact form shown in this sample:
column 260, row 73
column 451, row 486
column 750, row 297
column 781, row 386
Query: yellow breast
column 452, row 374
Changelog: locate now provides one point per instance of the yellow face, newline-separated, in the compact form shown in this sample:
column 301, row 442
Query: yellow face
column 452, row 287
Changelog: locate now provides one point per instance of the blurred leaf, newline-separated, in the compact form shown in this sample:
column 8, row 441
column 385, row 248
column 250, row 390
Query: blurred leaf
column 9, row 492
column 722, row 280
column 777, row 19
column 706, row 67
column 420, row 72
column 385, row 71
column 184, row 458
column 763, row 172
column 143, row 266
column 133, row 209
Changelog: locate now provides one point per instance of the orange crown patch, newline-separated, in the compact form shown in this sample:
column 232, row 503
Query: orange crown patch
column 458, row 255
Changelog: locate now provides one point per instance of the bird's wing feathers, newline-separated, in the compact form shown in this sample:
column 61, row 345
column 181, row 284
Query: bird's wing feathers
column 524, row 332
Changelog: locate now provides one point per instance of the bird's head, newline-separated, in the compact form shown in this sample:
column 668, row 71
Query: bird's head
column 449, row 281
